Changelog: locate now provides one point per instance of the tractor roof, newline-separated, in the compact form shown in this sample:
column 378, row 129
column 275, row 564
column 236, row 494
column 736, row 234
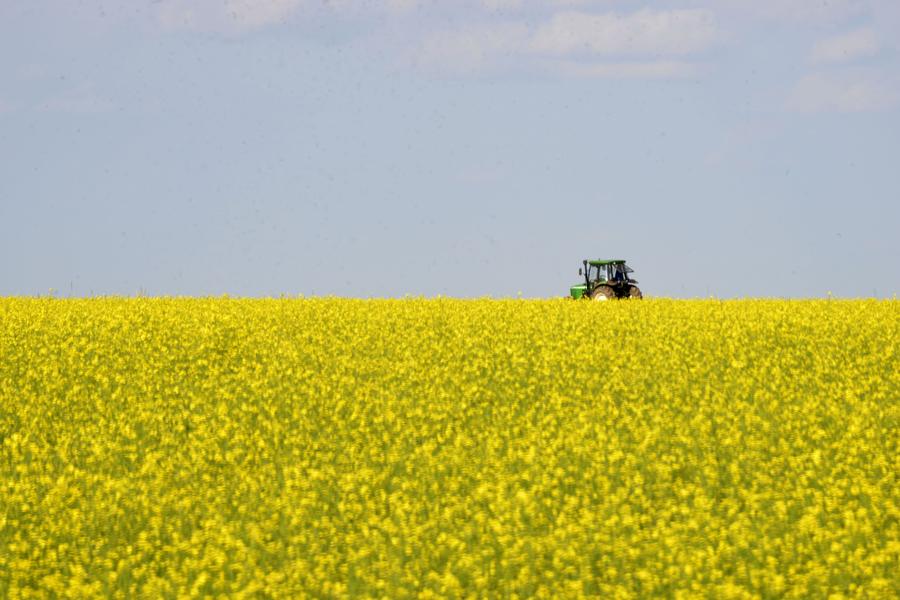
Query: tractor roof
column 600, row 262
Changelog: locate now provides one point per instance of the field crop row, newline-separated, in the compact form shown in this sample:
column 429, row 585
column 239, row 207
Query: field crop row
column 449, row 448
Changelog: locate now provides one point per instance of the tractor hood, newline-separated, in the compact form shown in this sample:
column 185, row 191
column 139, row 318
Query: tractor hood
column 578, row 291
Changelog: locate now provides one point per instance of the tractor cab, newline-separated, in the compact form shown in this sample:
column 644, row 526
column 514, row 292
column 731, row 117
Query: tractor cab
column 606, row 280
column 612, row 271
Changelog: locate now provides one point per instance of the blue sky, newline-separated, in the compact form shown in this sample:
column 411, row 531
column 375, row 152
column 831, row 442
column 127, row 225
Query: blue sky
column 479, row 147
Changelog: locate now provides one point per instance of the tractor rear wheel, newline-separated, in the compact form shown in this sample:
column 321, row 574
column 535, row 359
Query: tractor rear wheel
column 634, row 292
column 603, row 292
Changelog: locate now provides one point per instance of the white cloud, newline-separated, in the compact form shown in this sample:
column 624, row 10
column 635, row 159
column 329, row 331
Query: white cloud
column 586, row 3
column 654, row 69
column 846, row 47
column 475, row 47
column 568, row 42
column 646, row 32
column 799, row 11
column 849, row 90
column 241, row 16
column 258, row 13
column 502, row 4
column 225, row 16
column 182, row 14
column 402, row 6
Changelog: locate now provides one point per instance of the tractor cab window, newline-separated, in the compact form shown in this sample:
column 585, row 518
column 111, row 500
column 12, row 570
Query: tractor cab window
column 596, row 273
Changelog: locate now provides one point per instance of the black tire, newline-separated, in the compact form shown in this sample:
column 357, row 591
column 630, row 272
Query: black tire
column 635, row 292
column 603, row 292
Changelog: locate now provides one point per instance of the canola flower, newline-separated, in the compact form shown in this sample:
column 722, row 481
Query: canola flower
column 438, row 448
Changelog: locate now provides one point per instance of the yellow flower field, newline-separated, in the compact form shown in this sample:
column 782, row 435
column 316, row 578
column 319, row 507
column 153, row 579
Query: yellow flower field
column 449, row 448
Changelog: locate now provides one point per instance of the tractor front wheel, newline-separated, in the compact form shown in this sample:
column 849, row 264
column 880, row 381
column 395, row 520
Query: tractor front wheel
column 635, row 292
column 602, row 293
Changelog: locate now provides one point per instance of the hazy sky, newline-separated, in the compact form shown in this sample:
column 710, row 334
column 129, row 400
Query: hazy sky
column 465, row 148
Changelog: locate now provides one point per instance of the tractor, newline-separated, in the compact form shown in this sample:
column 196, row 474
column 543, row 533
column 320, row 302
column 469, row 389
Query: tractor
column 606, row 280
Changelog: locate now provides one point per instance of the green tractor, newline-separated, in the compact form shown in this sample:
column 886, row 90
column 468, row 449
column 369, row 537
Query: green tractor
column 606, row 280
